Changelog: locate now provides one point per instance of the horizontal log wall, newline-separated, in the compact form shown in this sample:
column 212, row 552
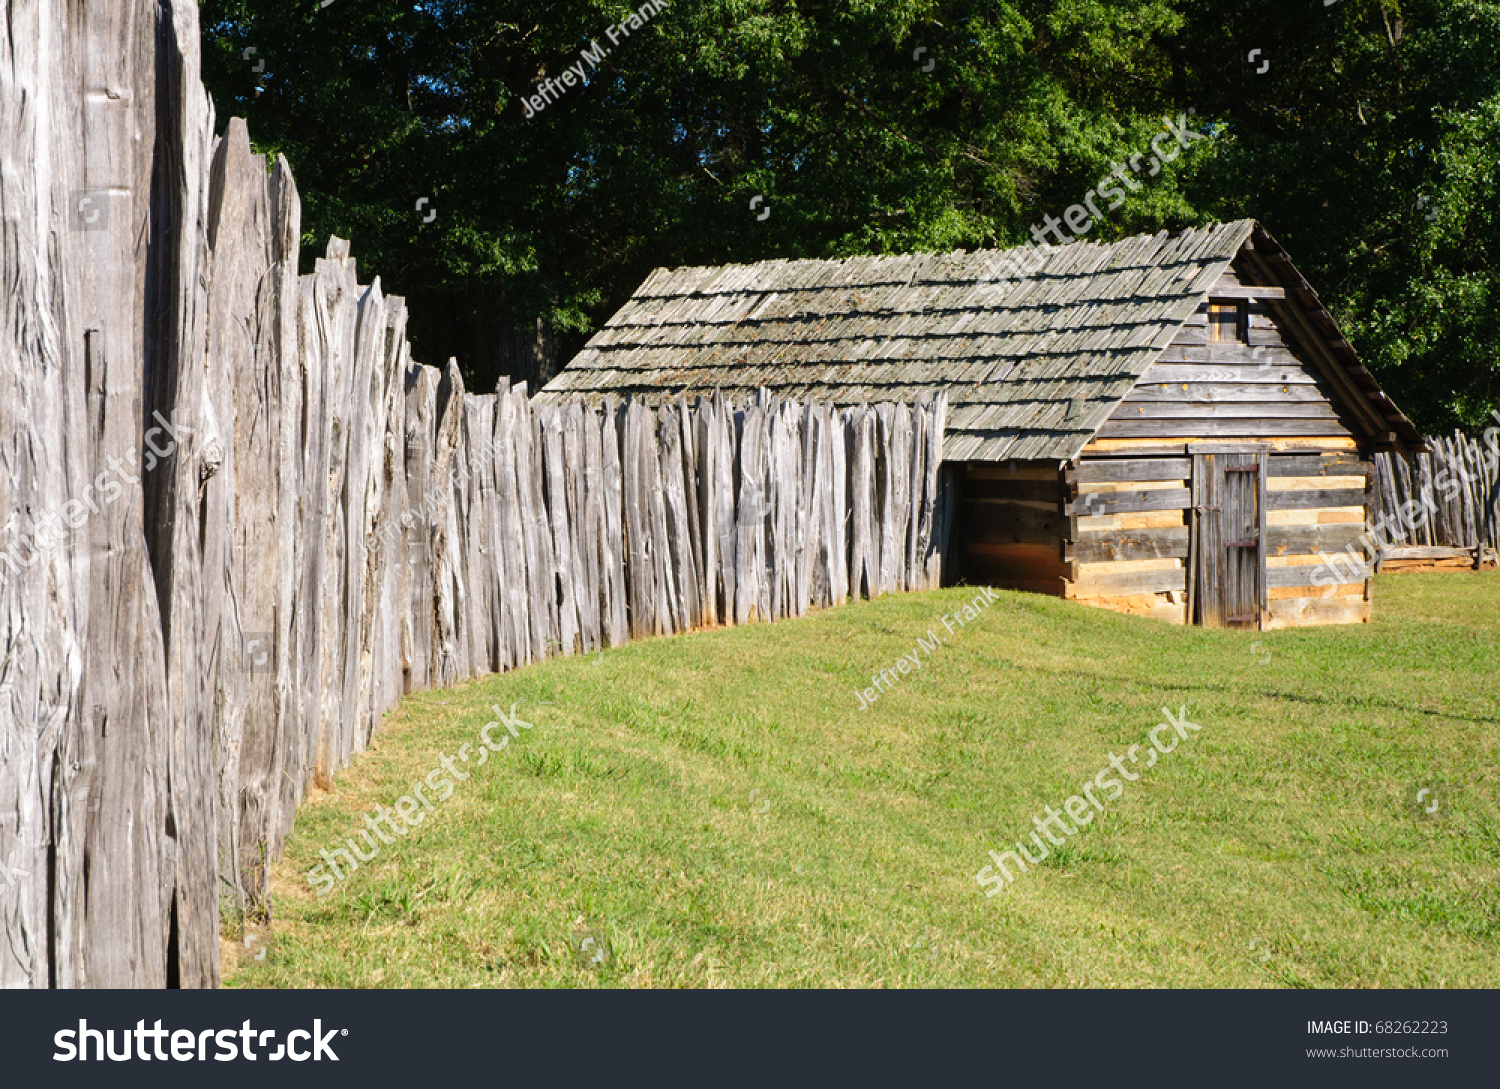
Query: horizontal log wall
column 237, row 521
column 1253, row 390
column 1312, row 504
column 1128, row 537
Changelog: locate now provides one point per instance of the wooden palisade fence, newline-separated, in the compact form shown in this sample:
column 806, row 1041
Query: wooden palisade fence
column 240, row 522
column 1457, row 484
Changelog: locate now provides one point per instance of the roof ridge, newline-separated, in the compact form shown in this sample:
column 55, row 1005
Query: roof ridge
column 1207, row 231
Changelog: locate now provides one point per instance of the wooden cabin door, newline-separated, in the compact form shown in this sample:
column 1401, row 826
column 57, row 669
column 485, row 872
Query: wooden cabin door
column 1228, row 561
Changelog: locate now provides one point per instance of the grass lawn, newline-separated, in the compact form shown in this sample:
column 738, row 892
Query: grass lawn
column 715, row 809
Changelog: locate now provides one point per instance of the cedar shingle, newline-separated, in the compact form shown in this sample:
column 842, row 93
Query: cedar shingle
column 1033, row 366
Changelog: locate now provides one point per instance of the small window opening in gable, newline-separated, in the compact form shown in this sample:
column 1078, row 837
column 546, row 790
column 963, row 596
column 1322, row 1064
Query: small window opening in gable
column 1226, row 322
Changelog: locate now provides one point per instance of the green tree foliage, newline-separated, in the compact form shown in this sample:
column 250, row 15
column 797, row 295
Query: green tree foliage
column 1368, row 147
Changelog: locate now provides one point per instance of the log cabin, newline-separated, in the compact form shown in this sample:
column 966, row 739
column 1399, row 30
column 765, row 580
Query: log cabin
column 1168, row 425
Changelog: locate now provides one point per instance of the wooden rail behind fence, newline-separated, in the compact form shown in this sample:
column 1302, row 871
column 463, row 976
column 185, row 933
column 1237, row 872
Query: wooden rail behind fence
column 240, row 521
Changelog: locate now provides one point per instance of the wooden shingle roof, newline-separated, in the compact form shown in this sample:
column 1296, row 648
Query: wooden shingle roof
column 1032, row 366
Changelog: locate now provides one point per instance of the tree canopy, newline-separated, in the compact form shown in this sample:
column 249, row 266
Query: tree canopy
column 1364, row 133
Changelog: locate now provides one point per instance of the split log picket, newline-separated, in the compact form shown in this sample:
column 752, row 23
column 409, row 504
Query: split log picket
column 1455, row 487
column 278, row 523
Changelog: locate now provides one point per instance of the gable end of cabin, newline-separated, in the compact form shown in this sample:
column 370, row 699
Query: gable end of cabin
column 1221, row 484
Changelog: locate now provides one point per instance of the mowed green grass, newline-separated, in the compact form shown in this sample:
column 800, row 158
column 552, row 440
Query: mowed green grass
column 715, row 810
